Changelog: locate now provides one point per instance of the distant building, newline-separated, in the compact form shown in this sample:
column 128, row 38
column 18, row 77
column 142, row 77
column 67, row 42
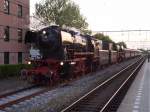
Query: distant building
column 14, row 22
column 37, row 23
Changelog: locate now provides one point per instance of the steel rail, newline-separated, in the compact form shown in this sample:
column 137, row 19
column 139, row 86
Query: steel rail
column 124, row 83
column 99, row 86
column 23, row 98
column 17, row 91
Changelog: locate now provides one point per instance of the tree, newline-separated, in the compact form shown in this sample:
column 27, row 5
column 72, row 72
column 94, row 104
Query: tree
column 86, row 32
column 122, row 44
column 102, row 37
column 106, row 38
column 114, row 47
column 62, row 13
column 37, row 23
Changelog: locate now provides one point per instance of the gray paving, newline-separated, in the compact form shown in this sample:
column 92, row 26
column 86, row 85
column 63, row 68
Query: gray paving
column 11, row 84
column 137, row 98
column 2, row 111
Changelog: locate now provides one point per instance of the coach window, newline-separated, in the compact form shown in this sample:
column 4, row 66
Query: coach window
column 6, row 57
column 19, row 57
column 6, row 33
column 19, row 10
column 6, row 6
column 19, row 35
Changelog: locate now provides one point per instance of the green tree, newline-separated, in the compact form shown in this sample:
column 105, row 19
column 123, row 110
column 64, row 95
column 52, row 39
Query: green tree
column 106, row 38
column 122, row 44
column 86, row 32
column 114, row 47
column 62, row 13
column 102, row 37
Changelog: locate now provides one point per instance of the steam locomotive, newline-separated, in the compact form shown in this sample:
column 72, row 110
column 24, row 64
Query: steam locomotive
column 58, row 54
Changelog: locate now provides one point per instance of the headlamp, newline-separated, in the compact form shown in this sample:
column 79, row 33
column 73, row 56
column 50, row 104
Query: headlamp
column 73, row 63
column 61, row 63
column 44, row 32
column 29, row 62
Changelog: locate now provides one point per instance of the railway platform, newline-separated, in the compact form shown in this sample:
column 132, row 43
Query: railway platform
column 137, row 98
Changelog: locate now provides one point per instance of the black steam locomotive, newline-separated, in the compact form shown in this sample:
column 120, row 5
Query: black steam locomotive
column 58, row 54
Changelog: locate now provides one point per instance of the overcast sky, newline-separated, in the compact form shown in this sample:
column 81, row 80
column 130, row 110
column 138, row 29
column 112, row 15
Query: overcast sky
column 116, row 15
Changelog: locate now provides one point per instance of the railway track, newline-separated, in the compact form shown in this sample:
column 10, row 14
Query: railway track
column 16, row 91
column 11, row 98
column 107, row 96
column 19, row 96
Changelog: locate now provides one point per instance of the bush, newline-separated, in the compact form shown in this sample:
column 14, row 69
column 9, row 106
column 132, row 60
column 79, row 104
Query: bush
column 12, row 70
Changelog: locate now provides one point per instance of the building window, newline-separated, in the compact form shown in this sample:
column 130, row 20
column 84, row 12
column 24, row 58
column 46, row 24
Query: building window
column 19, row 57
column 6, row 33
column 19, row 10
column 19, row 35
column 6, row 6
column 6, row 57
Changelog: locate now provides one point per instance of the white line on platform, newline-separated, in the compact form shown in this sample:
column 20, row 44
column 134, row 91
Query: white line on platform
column 136, row 103
column 135, row 111
column 135, row 106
